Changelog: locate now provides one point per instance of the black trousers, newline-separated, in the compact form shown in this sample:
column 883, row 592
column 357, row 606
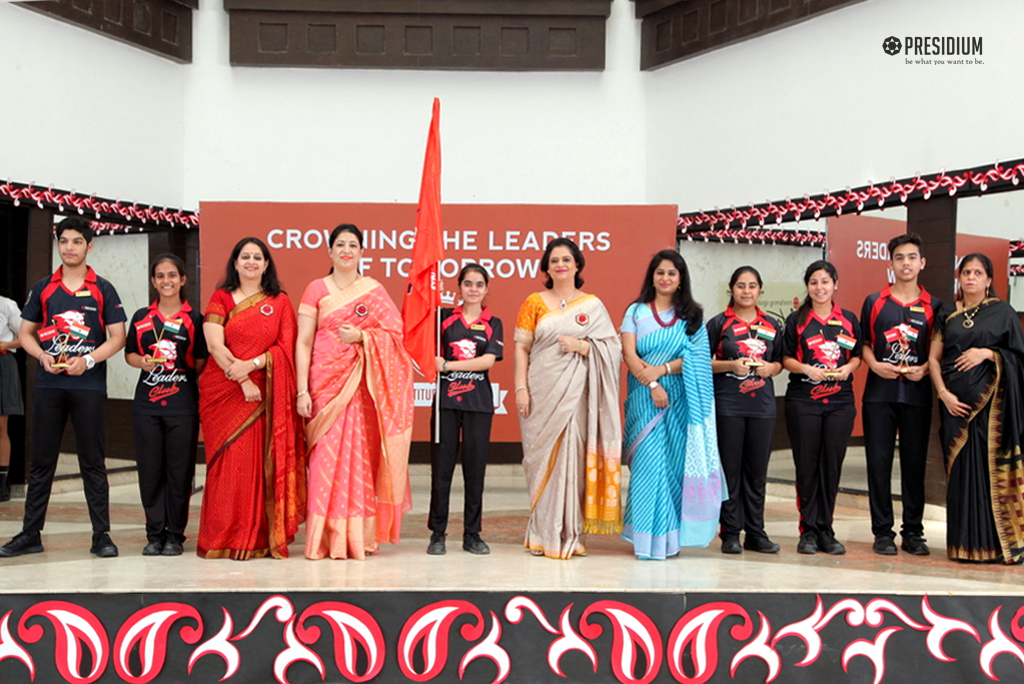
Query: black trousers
column 745, row 445
column 819, row 434
column 165, row 453
column 88, row 411
column 475, row 428
column 882, row 421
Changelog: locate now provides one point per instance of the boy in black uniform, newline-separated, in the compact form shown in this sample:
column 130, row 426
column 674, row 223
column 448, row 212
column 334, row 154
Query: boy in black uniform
column 898, row 322
column 79, row 322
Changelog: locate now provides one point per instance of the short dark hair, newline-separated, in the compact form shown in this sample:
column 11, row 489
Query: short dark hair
column 904, row 239
column 269, row 284
column 473, row 267
column 76, row 223
column 577, row 255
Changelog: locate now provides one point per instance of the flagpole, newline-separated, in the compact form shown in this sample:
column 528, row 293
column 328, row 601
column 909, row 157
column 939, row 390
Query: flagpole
column 437, row 379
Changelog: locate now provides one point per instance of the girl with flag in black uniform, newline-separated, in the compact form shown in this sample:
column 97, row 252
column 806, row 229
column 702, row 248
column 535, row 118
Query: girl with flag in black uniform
column 166, row 341
column 471, row 341
column 821, row 349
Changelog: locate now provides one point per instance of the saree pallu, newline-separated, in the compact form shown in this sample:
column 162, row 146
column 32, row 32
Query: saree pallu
column 572, row 438
column 676, row 484
column 984, row 495
column 254, row 498
column 361, row 428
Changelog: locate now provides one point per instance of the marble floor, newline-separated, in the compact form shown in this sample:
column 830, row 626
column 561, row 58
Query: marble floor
column 67, row 566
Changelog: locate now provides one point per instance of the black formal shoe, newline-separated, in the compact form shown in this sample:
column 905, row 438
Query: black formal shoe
column 731, row 545
column 884, row 546
column 475, row 545
column 808, row 544
column 5, row 492
column 828, row 543
column 760, row 544
column 153, row 548
column 172, row 548
column 23, row 542
column 915, row 546
column 102, row 546
column 436, row 546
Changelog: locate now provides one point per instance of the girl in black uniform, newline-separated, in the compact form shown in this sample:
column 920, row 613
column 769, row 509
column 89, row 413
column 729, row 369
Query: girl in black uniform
column 821, row 350
column 166, row 341
column 746, row 349
column 471, row 341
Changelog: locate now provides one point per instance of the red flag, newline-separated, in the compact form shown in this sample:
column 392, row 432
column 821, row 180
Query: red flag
column 423, row 293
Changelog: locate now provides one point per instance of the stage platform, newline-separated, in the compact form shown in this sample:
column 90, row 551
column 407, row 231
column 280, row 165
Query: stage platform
column 403, row 616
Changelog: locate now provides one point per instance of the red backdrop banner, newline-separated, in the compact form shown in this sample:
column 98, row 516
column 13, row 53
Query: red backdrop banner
column 617, row 242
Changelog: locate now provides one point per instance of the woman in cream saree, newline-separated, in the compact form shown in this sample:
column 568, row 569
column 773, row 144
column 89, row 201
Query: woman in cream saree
column 567, row 395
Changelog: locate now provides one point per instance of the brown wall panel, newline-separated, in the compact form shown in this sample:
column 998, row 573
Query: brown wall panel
column 674, row 30
column 503, row 35
column 163, row 27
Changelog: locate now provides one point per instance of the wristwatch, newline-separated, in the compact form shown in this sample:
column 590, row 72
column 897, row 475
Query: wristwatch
column 89, row 362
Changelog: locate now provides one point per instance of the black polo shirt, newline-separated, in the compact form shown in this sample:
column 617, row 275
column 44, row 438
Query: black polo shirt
column 899, row 332
column 74, row 323
column 731, row 338
column 468, row 390
column 170, row 389
column 825, row 343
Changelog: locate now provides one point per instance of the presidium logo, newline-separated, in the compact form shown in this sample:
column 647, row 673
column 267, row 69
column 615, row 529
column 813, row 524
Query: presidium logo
column 935, row 49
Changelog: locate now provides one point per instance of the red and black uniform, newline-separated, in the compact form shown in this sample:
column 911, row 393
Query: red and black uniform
column 745, row 407
column 467, row 406
column 820, row 415
column 899, row 334
column 71, row 324
column 165, row 416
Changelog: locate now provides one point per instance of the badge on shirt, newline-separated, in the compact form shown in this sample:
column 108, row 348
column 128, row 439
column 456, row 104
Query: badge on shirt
column 917, row 309
column 835, row 322
column 83, row 293
column 582, row 319
column 477, row 326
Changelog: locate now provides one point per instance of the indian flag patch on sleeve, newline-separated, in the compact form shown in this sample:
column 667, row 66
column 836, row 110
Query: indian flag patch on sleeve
column 845, row 341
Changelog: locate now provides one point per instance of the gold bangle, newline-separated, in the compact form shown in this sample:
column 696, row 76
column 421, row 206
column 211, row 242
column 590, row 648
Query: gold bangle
column 301, row 393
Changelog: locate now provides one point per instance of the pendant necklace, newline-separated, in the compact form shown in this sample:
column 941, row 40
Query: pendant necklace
column 564, row 303
column 969, row 315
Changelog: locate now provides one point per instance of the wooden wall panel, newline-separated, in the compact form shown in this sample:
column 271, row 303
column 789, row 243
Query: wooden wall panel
column 502, row 35
column 163, row 27
column 674, row 30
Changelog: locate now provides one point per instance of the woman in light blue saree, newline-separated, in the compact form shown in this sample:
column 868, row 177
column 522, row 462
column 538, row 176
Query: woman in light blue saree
column 676, row 485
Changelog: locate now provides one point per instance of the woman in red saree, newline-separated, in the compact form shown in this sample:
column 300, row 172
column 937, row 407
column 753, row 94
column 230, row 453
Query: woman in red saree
column 255, row 493
column 355, row 385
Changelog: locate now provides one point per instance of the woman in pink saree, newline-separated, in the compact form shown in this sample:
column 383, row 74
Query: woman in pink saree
column 355, row 386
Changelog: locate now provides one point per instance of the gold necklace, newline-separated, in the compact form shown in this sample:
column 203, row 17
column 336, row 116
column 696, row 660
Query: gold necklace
column 969, row 315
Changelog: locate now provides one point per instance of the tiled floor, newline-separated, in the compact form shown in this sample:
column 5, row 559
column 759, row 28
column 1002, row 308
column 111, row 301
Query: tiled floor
column 67, row 566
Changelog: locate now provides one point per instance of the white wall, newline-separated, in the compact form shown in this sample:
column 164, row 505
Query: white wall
column 820, row 105
column 82, row 112
column 359, row 135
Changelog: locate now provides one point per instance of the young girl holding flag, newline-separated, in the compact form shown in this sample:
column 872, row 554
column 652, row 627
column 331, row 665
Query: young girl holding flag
column 821, row 349
column 166, row 341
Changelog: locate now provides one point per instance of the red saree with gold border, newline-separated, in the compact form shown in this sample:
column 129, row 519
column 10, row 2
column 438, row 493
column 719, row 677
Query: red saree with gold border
column 254, row 499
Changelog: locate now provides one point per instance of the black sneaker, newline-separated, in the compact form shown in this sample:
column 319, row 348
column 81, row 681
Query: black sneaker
column 475, row 545
column 760, row 544
column 23, row 542
column 436, row 546
column 153, row 548
column 172, row 548
column 731, row 545
column 884, row 546
column 808, row 544
column 102, row 547
column 828, row 543
column 914, row 544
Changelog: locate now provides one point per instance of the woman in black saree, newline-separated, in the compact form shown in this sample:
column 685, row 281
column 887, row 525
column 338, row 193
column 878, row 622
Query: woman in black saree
column 977, row 365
